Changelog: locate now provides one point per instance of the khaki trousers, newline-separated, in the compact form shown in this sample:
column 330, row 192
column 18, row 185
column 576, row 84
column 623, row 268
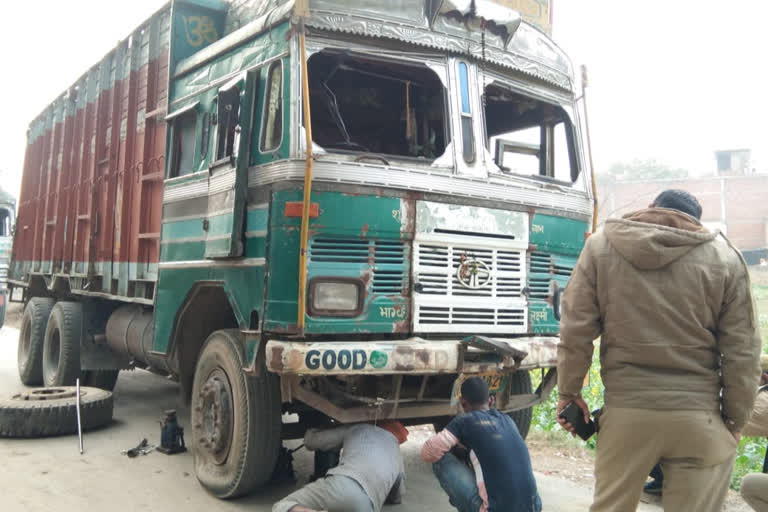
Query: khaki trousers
column 694, row 448
column 757, row 426
column 754, row 490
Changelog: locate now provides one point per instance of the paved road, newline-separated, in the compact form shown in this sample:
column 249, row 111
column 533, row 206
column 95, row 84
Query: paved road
column 49, row 474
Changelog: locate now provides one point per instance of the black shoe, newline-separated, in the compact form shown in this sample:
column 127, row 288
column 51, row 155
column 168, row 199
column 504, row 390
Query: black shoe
column 653, row 487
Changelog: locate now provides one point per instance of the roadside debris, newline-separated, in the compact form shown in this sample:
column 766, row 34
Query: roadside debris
column 143, row 448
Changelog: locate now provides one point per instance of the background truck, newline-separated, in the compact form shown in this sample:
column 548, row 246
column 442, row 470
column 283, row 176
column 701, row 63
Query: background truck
column 7, row 219
column 329, row 208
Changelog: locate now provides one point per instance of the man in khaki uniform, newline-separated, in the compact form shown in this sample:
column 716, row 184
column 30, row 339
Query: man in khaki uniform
column 674, row 311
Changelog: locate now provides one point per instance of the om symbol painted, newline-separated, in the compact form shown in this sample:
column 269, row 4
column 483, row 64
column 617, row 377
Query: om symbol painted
column 199, row 30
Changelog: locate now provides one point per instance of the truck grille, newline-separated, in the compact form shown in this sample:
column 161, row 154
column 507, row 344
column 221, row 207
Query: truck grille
column 387, row 257
column 442, row 303
column 438, row 271
column 545, row 267
column 480, row 317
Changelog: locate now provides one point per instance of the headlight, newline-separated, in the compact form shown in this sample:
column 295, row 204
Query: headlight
column 335, row 297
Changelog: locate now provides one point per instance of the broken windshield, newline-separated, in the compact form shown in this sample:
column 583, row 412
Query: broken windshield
column 530, row 137
column 368, row 105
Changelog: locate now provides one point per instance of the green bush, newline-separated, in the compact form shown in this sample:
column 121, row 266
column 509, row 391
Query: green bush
column 751, row 450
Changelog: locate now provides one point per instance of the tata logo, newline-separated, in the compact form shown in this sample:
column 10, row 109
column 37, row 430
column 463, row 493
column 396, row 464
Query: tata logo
column 473, row 273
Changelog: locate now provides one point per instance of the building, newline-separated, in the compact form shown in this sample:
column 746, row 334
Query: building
column 733, row 203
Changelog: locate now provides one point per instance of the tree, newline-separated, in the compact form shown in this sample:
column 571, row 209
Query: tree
column 648, row 169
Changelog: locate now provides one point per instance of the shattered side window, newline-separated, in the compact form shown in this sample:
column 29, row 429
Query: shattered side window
column 272, row 119
column 183, row 144
column 530, row 137
column 365, row 105
column 228, row 123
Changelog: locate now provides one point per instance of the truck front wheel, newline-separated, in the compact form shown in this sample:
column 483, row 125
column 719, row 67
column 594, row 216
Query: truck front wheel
column 235, row 419
column 520, row 384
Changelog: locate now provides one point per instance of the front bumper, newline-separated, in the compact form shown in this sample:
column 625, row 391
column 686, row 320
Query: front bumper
column 410, row 356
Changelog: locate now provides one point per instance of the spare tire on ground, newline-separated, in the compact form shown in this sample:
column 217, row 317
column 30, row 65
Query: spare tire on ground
column 47, row 412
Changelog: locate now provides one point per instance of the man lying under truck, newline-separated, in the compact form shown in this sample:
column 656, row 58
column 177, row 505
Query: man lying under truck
column 503, row 478
column 370, row 471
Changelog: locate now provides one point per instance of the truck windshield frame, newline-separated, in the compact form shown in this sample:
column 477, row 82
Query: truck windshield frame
column 539, row 134
column 359, row 103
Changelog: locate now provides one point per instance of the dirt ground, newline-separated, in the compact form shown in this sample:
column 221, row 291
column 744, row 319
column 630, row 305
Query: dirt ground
column 49, row 474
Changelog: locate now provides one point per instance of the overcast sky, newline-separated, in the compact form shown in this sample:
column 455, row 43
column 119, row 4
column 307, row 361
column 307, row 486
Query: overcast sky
column 670, row 79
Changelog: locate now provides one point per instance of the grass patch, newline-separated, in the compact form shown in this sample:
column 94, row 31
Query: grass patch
column 751, row 451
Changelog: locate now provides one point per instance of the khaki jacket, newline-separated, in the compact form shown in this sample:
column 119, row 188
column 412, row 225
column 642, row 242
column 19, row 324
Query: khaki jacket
column 675, row 314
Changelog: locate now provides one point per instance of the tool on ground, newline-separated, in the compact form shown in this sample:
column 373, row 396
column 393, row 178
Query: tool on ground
column 77, row 407
column 142, row 448
column 171, row 435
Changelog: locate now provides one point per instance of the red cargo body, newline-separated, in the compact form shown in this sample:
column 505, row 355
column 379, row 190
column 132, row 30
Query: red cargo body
column 91, row 195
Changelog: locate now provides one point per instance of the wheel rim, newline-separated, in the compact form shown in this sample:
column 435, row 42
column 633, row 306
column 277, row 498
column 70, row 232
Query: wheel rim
column 48, row 394
column 53, row 352
column 215, row 416
column 26, row 341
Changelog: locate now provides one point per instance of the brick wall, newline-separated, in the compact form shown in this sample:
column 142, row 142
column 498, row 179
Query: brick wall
column 743, row 199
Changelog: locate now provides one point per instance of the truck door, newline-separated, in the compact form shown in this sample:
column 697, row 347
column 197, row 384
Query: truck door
column 228, row 180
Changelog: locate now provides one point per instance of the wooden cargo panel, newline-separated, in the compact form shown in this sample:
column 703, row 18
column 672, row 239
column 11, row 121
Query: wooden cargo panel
column 91, row 195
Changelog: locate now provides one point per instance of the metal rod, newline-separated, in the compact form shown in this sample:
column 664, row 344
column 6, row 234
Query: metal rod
column 77, row 406
column 423, row 387
column 584, row 85
column 307, row 181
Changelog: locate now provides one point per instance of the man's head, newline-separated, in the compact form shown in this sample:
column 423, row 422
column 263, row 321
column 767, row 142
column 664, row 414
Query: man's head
column 474, row 394
column 678, row 200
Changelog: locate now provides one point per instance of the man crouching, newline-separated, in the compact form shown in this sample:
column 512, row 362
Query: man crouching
column 503, row 478
column 369, row 473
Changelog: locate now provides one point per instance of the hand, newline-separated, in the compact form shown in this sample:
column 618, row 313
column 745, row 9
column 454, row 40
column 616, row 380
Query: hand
column 764, row 379
column 562, row 404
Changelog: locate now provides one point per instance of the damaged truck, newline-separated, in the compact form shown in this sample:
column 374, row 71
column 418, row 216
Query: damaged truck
column 329, row 210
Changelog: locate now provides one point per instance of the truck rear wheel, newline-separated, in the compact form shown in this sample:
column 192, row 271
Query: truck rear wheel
column 61, row 348
column 29, row 359
column 236, row 419
column 520, row 384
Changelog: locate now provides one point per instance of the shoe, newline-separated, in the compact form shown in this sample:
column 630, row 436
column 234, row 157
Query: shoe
column 653, row 487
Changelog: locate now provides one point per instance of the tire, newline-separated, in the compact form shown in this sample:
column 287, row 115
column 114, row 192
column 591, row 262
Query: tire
column 61, row 348
column 520, row 384
column 103, row 379
column 29, row 358
column 236, row 419
column 47, row 412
